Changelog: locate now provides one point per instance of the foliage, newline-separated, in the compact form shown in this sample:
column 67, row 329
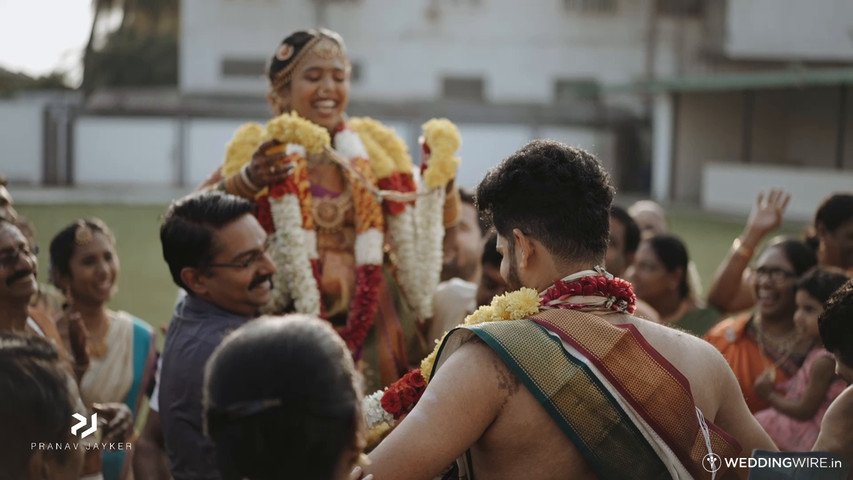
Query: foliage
column 142, row 51
column 11, row 82
column 130, row 59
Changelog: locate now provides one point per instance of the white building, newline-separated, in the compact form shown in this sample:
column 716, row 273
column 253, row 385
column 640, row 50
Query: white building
column 765, row 104
column 668, row 93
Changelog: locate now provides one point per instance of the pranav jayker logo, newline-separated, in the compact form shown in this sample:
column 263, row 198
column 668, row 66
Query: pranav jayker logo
column 82, row 423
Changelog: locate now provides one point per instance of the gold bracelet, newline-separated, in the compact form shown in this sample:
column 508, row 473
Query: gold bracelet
column 742, row 249
column 233, row 186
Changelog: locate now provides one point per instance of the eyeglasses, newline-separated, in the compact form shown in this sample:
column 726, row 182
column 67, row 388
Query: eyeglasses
column 257, row 256
column 776, row 275
column 11, row 259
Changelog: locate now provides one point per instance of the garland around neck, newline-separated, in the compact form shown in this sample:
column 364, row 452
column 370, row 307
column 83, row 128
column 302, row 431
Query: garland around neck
column 415, row 228
column 588, row 290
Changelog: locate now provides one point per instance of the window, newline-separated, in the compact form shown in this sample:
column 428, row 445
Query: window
column 679, row 7
column 356, row 71
column 591, row 6
column 574, row 89
column 464, row 88
column 241, row 67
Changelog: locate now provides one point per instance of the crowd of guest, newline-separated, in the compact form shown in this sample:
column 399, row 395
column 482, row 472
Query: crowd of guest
column 236, row 394
column 786, row 372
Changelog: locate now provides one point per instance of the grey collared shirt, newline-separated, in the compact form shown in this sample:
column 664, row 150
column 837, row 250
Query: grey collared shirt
column 197, row 327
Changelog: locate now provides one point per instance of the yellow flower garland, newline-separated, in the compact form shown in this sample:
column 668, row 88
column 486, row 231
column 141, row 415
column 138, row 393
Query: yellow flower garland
column 243, row 144
column 443, row 139
column 386, row 151
column 291, row 128
column 509, row 306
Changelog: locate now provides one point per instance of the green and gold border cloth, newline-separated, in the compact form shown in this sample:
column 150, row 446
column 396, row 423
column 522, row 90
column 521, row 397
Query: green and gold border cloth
column 629, row 412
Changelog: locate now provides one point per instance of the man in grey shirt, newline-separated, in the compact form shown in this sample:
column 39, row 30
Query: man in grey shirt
column 215, row 251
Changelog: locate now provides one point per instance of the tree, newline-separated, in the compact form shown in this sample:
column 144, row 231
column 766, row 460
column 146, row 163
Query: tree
column 147, row 34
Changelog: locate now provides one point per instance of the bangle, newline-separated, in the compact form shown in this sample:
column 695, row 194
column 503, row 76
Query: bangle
column 742, row 249
column 244, row 175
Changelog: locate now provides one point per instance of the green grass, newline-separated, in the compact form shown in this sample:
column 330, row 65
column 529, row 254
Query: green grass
column 146, row 288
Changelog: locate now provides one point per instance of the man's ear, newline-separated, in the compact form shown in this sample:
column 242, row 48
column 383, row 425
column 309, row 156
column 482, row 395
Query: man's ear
column 194, row 280
column 523, row 246
column 822, row 232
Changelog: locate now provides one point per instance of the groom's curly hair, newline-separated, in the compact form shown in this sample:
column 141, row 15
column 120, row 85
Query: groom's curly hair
column 557, row 194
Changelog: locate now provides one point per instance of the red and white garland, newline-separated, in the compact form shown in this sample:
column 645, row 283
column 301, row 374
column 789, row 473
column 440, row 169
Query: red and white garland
column 416, row 231
column 588, row 290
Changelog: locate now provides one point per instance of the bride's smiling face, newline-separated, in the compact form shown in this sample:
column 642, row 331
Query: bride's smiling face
column 319, row 89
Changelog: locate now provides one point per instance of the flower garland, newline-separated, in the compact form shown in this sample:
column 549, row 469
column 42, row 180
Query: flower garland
column 294, row 246
column 586, row 290
column 441, row 141
column 286, row 214
column 415, row 231
column 241, row 147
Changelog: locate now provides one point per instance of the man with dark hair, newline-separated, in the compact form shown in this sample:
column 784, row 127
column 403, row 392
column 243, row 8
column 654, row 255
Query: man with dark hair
column 624, row 240
column 566, row 383
column 18, row 286
column 836, row 331
column 214, row 247
column 38, row 397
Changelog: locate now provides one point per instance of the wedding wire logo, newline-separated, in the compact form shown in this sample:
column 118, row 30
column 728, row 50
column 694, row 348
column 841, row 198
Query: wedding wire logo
column 778, row 460
column 82, row 423
column 712, row 462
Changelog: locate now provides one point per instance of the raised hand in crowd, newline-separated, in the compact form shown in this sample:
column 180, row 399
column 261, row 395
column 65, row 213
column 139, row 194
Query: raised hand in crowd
column 730, row 290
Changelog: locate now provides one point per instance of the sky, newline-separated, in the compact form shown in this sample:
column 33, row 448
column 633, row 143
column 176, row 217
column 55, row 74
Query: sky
column 40, row 36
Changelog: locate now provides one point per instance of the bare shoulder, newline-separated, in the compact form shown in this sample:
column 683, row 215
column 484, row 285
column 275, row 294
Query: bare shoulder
column 478, row 363
column 836, row 429
column 699, row 361
column 840, row 411
column 677, row 345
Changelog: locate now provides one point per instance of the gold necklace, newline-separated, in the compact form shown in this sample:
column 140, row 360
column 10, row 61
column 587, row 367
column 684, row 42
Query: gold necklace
column 96, row 345
column 783, row 346
column 329, row 212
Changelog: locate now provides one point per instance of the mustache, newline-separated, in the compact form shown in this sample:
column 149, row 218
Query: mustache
column 17, row 276
column 259, row 280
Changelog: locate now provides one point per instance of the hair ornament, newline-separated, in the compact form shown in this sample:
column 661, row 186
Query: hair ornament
column 83, row 235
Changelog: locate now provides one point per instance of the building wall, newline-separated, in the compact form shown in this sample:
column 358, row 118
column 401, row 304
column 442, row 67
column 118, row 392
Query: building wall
column 404, row 49
column 21, row 127
column 708, row 126
column 732, row 188
column 794, row 128
column 813, row 30
column 165, row 151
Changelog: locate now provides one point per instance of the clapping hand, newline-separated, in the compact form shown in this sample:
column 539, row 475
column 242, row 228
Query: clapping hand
column 118, row 420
